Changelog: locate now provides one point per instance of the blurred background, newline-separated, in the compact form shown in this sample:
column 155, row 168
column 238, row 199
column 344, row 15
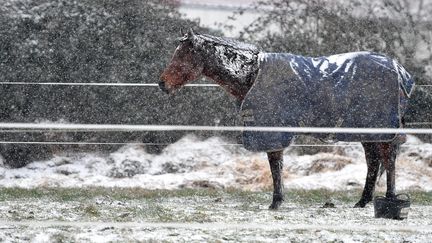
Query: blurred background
column 131, row 41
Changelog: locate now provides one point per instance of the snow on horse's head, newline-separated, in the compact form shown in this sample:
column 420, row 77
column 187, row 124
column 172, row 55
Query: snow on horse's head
column 230, row 63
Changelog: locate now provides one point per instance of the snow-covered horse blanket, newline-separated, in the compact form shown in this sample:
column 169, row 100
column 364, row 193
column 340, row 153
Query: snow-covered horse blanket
column 353, row 90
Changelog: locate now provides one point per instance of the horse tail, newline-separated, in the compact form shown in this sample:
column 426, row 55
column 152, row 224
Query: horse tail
column 405, row 79
column 381, row 170
column 395, row 145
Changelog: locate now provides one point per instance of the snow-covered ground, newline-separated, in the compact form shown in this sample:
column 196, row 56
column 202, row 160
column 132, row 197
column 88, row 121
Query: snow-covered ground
column 195, row 163
column 192, row 162
column 202, row 219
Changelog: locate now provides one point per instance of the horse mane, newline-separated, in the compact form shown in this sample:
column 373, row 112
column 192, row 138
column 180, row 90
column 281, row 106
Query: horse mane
column 233, row 44
column 234, row 62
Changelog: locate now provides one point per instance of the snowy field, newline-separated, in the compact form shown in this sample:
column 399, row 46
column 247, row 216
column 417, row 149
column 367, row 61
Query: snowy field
column 199, row 216
column 216, row 193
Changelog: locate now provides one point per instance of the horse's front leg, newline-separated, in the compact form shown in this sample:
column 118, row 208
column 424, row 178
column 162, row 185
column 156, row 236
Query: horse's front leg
column 276, row 166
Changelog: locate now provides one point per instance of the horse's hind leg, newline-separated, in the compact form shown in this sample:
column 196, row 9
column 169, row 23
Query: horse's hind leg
column 379, row 153
column 372, row 155
column 389, row 152
column 276, row 166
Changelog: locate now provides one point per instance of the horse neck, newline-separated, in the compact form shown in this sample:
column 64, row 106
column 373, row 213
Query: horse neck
column 236, row 78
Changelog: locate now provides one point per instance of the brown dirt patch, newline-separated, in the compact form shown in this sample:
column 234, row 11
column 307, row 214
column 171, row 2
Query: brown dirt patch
column 255, row 174
column 328, row 162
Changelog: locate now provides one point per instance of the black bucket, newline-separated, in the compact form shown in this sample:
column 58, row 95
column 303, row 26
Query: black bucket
column 392, row 208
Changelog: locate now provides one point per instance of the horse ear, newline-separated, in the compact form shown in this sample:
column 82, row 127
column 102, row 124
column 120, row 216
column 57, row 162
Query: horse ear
column 184, row 36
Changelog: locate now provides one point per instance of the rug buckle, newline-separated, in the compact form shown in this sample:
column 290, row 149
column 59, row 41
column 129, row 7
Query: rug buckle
column 247, row 115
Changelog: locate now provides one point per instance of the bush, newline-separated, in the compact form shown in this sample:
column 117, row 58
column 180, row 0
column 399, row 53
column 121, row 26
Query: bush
column 118, row 41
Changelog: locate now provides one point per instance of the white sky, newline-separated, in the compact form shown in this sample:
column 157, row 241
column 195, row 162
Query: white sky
column 213, row 13
column 217, row 2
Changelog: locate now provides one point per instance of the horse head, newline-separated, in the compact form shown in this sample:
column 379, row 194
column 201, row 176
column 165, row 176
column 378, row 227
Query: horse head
column 184, row 66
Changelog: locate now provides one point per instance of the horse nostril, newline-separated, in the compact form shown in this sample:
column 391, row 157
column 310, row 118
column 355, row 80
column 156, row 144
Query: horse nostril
column 163, row 87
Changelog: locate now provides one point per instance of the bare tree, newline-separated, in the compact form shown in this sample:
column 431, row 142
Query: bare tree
column 398, row 28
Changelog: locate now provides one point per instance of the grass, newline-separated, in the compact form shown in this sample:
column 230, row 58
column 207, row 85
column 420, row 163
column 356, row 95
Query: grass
column 91, row 210
column 122, row 194
column 184, row 205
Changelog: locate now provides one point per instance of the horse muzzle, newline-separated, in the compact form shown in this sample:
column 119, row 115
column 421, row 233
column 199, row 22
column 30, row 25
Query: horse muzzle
column 163, row 87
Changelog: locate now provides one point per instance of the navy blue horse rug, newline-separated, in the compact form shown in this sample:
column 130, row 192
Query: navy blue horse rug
column 353, row 90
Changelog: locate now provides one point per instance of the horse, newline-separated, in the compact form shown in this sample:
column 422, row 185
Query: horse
column 237, row 66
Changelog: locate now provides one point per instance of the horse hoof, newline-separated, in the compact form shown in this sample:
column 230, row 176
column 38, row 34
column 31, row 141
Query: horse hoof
column 360, row 204
column 275, row 205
